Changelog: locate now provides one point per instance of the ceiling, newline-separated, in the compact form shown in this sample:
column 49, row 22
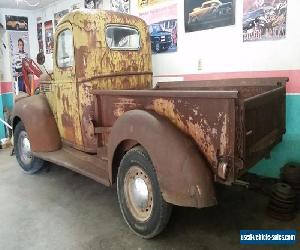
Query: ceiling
column 12, row 4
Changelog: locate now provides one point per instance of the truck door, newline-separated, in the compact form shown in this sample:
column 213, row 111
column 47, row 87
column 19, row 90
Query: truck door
column 66, row 91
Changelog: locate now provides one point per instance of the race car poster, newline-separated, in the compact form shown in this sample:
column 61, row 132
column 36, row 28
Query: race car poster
column 49, row 36
column 264, row 20
column 16, row 23
column 39, row 29
column 208, row 14
column 120, row 6
column 19, row 49
column 161, row 17
column 93, row 4
column 58, row 16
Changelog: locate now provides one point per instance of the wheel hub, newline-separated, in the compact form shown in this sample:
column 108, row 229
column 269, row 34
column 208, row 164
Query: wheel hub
column 24, row 148
column 138, row 193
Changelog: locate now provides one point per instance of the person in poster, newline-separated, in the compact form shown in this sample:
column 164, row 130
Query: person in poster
column 120, row 6
column 49, row 36
column 19, row 45
column 93, row 4
column 208, row 14
column 264, row 20
column 162, row 20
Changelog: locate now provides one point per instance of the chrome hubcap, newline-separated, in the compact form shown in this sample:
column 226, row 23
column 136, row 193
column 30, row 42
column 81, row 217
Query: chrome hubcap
column 24, row 148
column 138, row 193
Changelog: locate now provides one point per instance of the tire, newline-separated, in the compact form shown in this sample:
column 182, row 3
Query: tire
column 135, row 169
column 26, row 160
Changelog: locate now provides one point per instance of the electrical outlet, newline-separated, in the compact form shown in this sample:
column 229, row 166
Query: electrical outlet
column 199, row 64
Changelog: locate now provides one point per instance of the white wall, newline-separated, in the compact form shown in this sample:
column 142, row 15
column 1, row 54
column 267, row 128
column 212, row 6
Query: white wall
column 223, row 50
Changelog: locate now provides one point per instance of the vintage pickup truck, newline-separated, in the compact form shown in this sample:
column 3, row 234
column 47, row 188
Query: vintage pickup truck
column 97, row 114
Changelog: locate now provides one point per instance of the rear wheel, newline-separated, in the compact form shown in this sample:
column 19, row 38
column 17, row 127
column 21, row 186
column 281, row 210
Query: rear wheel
column 140, row 198
column 29, row 163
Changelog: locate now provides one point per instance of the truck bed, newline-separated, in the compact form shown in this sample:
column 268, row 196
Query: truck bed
column 237, row 121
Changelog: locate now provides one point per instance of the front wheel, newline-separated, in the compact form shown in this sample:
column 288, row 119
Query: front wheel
column 29, row 163
column 140, row 198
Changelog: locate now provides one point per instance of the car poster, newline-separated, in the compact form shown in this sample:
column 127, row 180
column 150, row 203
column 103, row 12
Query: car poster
column 39, row 29
column 120, row 5
column 161, row 16
column 93, row 4
column 19, row 49
column 49, row 36
column 264, row 20
column 19, row 23
column 208, row 14
column 59, row 15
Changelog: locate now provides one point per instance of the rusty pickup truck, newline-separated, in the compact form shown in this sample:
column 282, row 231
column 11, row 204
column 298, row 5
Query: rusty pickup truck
column 98, row 114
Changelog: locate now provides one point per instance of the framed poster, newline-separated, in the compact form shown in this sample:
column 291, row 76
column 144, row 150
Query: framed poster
column 208, row 14
column 16, row 23
column 39, row 29
column 49, row 40
column 161, row 17
column 120, row 6
column 59, row 15
column 264, row 20
column 93, row 4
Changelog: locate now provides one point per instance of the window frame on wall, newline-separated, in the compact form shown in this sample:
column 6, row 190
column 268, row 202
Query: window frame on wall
column 72, row 54
column 122, row 26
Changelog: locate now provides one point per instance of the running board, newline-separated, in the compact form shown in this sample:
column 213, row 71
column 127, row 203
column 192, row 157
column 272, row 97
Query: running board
column 91, row 166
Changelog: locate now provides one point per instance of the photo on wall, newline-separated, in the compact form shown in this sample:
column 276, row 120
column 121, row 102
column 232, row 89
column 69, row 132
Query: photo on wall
column 39, row 29
column 162, row 20
column 120, row 5
column 19, row 50
column 208, row 14
column 93, row 4
column 59, row 15
column 49, row 40
column 264, row 20
column 16, row 23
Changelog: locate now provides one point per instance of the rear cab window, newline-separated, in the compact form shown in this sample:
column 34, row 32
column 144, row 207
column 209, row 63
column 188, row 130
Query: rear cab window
column 119, row 37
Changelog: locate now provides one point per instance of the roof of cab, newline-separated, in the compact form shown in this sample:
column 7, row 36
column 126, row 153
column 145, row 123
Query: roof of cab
column 86, row 17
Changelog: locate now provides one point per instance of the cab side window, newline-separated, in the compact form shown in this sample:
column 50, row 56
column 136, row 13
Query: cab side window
column 65, row 51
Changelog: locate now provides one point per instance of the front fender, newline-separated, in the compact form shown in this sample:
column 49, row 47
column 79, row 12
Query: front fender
column 183, row 175
column 39, row 122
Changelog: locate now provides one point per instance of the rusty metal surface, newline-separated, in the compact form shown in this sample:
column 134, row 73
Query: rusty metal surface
column 95, row 67
column 183, row 174
column 39, row 122
column 206, row 116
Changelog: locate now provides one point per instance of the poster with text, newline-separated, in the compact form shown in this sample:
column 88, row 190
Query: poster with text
column 19, row 49
column 208, row 14
column 16, row 23
column 93, row 4
column 39, row 29
column 120, row 6
column 162, row 20
column 59, row 15
column 264, row 20
column 49, row 36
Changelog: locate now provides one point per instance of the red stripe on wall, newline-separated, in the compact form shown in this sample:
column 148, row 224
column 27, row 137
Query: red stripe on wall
column 6, row 87
column 293, row 85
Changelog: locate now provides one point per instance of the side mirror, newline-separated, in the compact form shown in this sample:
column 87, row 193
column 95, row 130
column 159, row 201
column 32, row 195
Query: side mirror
column 40, row 58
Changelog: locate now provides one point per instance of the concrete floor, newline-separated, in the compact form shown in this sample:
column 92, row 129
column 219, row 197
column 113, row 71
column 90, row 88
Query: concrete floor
column 60, row 209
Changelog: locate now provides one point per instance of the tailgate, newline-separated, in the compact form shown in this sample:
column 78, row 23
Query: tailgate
column 264, row 124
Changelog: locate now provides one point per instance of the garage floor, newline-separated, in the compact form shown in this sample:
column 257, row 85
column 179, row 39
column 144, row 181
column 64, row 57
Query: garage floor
column 60, row 209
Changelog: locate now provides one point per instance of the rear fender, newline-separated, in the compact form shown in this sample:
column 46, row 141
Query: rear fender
column 183, row 175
